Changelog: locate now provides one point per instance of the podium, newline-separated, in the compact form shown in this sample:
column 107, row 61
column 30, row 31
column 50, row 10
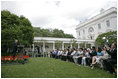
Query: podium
column 21, row 48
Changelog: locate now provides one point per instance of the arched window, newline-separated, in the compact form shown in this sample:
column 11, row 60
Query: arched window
column 90, row 30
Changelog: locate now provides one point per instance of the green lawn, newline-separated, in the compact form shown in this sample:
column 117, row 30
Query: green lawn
column 51, row 68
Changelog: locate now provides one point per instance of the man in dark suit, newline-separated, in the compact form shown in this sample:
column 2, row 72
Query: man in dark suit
column 109, row 63
column 92, row 54
column 15, row 48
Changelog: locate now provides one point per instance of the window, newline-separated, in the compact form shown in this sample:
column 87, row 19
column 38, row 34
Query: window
column 99, row 26
column 83, row 31
column 90, row 30
column 79, row 33
column 108, row 23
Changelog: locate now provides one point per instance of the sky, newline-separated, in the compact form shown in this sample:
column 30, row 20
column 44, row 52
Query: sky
column 60, row 14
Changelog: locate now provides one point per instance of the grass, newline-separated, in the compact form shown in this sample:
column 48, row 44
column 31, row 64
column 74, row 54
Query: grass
column 51, row 68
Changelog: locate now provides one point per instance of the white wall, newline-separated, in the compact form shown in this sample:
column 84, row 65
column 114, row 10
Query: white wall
column 113, row 26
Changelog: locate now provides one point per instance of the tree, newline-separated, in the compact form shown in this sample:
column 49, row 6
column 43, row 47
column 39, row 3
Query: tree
column 111, row 36
column 58, row 33
column 68, row 36
column 24, row 21
column 38, row 32
column 14, row 27
column 9, row 20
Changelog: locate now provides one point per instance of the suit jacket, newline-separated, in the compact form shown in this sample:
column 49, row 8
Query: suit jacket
column 93, row 53
column 113, row 53
column 15, row 47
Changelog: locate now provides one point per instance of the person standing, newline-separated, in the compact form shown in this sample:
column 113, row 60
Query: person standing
column 49, row 54
column 35, row 52
column 110, row 62
column 15, row 48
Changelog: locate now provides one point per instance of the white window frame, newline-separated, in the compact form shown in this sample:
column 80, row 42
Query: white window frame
column 99, row 26
column 108, row 23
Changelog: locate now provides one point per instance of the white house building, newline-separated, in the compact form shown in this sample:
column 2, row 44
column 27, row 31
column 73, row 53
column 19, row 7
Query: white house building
column 86, row 31
column 104, row 22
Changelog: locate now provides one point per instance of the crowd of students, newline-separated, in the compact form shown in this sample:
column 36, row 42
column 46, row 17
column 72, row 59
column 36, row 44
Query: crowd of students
column 106, row 56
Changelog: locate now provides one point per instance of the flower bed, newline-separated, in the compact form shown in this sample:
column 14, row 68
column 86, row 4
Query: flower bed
column 16, row 59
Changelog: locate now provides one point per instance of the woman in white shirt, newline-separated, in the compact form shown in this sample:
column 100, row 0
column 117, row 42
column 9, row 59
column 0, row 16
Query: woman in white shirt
column 84, row 57
column 64, row 55
column 80, row 56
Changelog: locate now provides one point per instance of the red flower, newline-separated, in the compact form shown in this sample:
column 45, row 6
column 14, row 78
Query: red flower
column 8, row 59
column 10, row 56
column 2, row 56
column 26, row 56
column 3, row 59
column 13, row 58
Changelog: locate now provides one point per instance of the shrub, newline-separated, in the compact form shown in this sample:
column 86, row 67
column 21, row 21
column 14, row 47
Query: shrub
column 111, row 36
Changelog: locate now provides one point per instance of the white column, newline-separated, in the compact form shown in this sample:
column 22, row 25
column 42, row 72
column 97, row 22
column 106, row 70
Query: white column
column 33, row 47
column 62, row 46
column 71, row 45
column 53, row 45
column 43, row 48
column 78, row 45
column 92, row 44
column 85, row 44
column 32, row 50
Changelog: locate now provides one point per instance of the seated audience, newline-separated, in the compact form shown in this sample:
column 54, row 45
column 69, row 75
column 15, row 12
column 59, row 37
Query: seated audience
column 105, row 56
column 95, row 59
column 80, row 55
column 69, row 53
column 64, row 55
column 85, row 58
column 75, row 57
column 54, row 53
column 59, row 54
column 93, row 54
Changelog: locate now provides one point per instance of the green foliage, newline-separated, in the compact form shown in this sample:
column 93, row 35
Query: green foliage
column 38, row 32
column 111, row 36
column 58, row 33
column 15, row 27
column 20, row 60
